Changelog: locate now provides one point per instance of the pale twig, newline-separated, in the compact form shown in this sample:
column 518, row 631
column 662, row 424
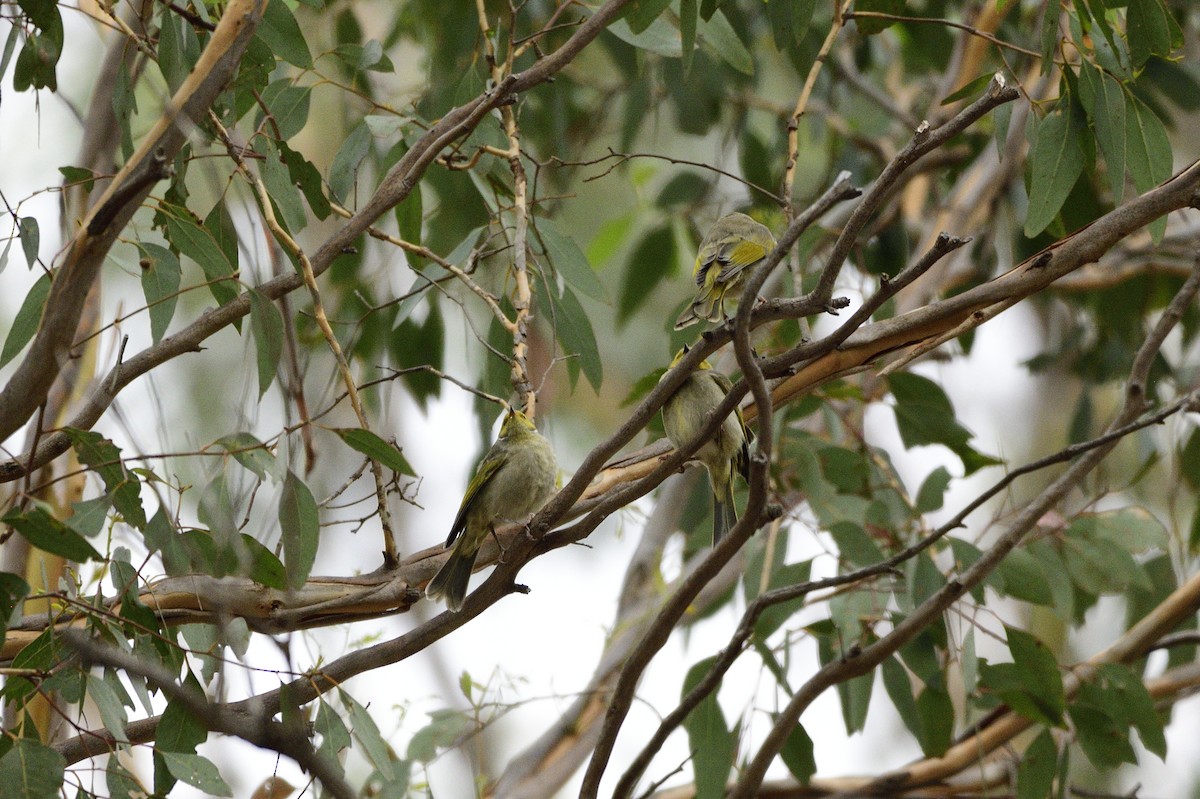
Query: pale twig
column 523, row 299
column 390, row 558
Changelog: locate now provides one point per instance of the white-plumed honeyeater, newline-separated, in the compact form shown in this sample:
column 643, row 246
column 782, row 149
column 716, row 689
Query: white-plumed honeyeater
column 514, row 479
column 684, row 416
column 727, row 255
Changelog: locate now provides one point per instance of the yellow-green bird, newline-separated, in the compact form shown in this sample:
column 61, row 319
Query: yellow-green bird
column 684, row 416
column 513, row 480
column 732, row 247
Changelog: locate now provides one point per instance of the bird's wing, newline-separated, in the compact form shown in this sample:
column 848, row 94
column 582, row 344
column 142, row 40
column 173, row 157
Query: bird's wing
column 735, row 256
column 483, row 475
column 741, row 460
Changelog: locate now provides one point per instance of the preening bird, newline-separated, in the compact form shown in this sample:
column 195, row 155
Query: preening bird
column 684, row 416
column 726, row 256
column 514, row 479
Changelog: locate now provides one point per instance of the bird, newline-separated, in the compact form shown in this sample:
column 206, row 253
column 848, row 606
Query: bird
column 514, row 479
column 731, row 247
column 684, row 415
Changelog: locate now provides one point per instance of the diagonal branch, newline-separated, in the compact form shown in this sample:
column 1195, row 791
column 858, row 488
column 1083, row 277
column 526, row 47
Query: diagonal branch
column 51, row 346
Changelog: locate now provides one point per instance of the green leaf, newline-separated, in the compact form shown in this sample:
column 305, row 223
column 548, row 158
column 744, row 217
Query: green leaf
column 1104, row 101
column 570, row 262
column 873, row 25
column 289, row 106
column 1022, row 577
column 709, row 738
column 88, row 516
column 1117, row 691
column 797, row 755
column 1151, row 31
column 444, row 730
column 201, row 246
column 932, row 493
column 249, row 452
column 790, row 20
column 179, row 733
column 1189, row 459
column 652, row 260
column 30, row 770
column 282, row 34
column 722, row 40
column 104, row 458
column 367, row 733
column 12, row 591
column 1038, row 671
column 970, row 89
column 334, row 735
column 49, row 534
column 277, row 179
column 160, row 284
column 935, row 715
column 265, row 568
column 344, row 170
column 774, row 617
column 924, row 415
column 112, row 712
column 688, row 10
column 1105, row 742
column 197, row 770
column 26, row 322
column 573, row 328
column 305, row 175
column 1039, row 762
column 376, row 448
column 899, row 687
column 1056, row 163
column 267, row 324
column 1148, row 150
column 27, row 230
column 640, row 13
column 854, row 544
column 409, row 217
column 300, row 527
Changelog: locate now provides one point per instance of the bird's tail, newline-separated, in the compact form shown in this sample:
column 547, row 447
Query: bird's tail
column 710, row 307
column 724, row 511
column 450, row 583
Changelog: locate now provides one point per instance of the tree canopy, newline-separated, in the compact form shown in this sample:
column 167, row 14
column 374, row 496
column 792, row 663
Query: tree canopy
column 274, row 269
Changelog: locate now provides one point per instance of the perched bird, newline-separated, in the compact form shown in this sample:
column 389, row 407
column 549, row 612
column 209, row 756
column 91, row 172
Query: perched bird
column 733, row 245
column 685, row 414
column 513, row 480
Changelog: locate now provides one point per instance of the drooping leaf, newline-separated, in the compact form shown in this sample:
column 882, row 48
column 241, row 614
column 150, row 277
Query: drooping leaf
column 201, row 246
column 1056, row 163
column 709, row 737
column 1039, row 763
column 570, row 262
column 160, row 284
column 282, row 34
column 104, row 458
column 300, row 528
column 267, row 324
column 26, row 322
column 924, row 415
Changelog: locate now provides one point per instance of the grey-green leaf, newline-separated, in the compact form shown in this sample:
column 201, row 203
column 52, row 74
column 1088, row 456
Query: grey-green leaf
column 160, row 284
column 26, row 322
column 376, row 448
column 267, row 324
column 300, row 527
column 1057, row 162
